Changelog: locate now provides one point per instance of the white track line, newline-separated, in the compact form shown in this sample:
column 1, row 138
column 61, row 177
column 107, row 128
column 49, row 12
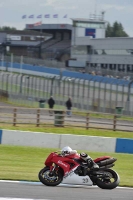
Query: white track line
column 8, row 198
column 61, row 185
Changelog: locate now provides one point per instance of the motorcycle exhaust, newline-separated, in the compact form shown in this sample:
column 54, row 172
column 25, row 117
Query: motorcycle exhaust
column 107, row 166
column 106, row 162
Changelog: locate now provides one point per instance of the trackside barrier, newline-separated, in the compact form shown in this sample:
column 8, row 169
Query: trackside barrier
column 94, row 93
column 79, row 142
column 124, row 145
column 38, row 70
column 0, row 135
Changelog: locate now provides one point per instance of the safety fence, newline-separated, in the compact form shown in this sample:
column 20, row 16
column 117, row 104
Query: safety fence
column 34, row 61
column 90, row 68
column 46, row 117
column 87, row 94
column 58, row 68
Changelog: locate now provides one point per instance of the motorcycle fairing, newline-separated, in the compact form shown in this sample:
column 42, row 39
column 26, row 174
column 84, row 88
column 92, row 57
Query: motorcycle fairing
column 101, row 158
column 72, row 170
column 72, row 178
column 66, row 163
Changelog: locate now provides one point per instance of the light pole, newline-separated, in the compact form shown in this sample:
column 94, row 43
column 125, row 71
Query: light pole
column 128, row 94
column 129, row 90
column 40, row 45
column 21, row 83
column 28, row 85
column 52, row 84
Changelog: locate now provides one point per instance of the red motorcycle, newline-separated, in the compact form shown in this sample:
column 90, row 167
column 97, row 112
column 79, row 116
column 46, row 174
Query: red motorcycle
column 73, row 170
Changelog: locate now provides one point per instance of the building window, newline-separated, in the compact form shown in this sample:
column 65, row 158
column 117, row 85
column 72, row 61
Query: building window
column 123, row 52
column 89, row 25
column 112, row 66
column 79, row 50
column 104, row 66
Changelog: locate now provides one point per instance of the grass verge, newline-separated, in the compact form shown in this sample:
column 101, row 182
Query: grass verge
column 24, row 163
column 68, row 130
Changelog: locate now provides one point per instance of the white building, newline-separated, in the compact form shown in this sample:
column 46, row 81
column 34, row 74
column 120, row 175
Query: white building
column 91, row 48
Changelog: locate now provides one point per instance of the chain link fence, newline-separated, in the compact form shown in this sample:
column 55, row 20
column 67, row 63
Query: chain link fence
column 86, row 95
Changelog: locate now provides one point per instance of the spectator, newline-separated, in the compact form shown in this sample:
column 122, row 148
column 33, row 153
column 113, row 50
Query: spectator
column 51, row 103
column 69, row 106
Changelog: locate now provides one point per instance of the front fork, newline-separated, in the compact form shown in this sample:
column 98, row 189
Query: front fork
column 52, row 170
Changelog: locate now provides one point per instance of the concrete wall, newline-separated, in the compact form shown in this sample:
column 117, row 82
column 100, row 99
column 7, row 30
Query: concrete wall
column 49, row 140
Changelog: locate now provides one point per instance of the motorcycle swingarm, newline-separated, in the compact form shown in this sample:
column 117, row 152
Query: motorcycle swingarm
column 101, row 174
column 96, row 176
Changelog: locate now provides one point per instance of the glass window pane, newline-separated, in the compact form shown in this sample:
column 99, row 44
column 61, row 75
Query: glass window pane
column 114, row 51
column 79, row 50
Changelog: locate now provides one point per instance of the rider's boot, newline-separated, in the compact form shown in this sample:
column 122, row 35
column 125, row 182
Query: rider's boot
column 90, row 162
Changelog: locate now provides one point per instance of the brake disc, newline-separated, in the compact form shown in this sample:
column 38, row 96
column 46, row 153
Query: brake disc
column 51, row 178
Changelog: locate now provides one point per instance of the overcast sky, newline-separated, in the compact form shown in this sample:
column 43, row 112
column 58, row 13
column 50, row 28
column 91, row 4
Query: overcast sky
column 11, row 11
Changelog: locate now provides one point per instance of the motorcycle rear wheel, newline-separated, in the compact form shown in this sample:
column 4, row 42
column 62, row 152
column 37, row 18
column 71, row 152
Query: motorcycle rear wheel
column 110, row 181
column 48, row 180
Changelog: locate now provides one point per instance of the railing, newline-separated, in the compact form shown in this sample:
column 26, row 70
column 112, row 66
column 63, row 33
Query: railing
column 47, row 117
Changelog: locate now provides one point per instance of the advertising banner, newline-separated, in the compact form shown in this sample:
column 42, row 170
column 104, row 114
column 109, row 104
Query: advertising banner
column 91, row 32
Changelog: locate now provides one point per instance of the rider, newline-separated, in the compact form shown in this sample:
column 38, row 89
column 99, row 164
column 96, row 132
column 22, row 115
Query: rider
column 85, row 157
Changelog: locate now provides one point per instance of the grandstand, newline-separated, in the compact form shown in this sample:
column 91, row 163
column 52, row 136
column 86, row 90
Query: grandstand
column 81, row 45
column 85, row 46
column 19, row 43
column 58, row 43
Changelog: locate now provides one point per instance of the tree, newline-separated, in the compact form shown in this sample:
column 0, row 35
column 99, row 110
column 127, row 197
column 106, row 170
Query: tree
column 109, row 30
column 7, row 28
column 116, row 30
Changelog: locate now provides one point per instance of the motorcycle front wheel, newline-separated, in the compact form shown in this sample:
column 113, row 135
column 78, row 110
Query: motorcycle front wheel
column 109, row 179
column 50, row 179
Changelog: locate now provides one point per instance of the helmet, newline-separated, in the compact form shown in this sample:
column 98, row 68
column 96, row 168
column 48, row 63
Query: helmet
column 66, row 150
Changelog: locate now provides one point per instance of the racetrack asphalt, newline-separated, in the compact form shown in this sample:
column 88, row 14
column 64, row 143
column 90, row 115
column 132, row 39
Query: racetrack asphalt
column 36, row 190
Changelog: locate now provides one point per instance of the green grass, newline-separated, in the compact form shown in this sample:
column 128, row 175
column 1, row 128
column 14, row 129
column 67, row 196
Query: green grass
column 24, row 163
column 66, row 130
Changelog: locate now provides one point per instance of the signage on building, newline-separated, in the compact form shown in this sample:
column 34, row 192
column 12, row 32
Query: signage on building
column 30, row 26
column 15, row 37
column 62, row 26
column 91, row 32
